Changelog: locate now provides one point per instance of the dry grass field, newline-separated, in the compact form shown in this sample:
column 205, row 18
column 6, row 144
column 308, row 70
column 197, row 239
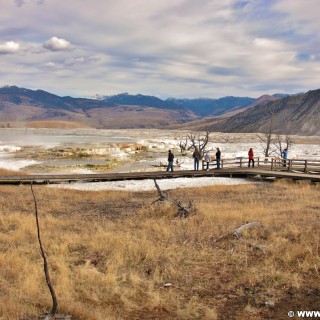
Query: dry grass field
column 114, row 255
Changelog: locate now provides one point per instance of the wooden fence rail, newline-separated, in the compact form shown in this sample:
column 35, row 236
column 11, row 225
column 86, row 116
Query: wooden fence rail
column 301, row 165
column 238, row 162
column 277, row 164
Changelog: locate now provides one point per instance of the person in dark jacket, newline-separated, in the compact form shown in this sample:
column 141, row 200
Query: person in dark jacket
column 218, row 158
column 251, row 158
column 196, row 156
column 170, row 161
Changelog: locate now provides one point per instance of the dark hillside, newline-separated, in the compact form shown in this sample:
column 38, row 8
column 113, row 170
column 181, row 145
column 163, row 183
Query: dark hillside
column 299, row 114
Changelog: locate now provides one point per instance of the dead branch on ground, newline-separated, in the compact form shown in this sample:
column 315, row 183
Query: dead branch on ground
column 161, row 197
column 237, row 234
column 183, row 211
column 52, row 314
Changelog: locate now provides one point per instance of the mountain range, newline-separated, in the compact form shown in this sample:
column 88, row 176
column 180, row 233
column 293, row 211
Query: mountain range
column 298, row 114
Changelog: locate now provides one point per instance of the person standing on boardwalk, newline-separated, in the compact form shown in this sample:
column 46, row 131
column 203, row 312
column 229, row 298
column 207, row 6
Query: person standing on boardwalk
column 196, row 156
column 218, row 158
column 284, row 155
column 251, row 158
column 207, row 159
column 170, row 161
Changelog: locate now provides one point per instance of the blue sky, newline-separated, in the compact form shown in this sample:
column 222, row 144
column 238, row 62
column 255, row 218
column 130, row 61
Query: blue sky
column 166, row 48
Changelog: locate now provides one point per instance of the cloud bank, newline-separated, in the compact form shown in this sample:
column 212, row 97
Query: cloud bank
column 181, row 48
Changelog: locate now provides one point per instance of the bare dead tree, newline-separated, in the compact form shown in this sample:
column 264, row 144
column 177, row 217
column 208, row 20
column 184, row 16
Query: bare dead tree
column 288, row 141
column 199, row 141
column 282, row 143
column 195, row 140
column 226, row 139
column 267, row 139
column 272, row 143
column 183, row 145
column 53, row 311
column 183, row 211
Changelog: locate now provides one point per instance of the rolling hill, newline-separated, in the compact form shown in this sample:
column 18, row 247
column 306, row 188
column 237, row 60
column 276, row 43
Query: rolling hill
column 298, row 114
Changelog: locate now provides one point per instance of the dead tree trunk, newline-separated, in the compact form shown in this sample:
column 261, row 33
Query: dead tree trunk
column 162, row 197
column 199, row 141
column 45, row 264
column 183, row 211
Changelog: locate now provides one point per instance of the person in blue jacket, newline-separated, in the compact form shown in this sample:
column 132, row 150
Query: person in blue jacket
column 284, row 155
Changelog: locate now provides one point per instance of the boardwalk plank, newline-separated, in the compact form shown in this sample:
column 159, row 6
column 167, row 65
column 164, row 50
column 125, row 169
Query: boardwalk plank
column 263, row 172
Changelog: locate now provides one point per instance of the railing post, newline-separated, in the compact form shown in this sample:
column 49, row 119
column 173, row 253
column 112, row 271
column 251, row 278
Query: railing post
column 305, row 166
column 258, row 161
column 240, row 162
column 272, row 163
column 221, row 163
column 290, row 165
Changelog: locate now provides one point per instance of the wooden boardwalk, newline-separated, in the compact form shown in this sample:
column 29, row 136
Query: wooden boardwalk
column 262, row 172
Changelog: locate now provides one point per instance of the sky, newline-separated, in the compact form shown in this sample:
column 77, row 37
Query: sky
column 165, row 48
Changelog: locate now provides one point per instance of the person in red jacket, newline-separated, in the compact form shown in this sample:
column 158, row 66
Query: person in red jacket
column 251, row 158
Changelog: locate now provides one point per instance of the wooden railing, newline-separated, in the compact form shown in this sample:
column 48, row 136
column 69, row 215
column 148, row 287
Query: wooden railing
column 301, row 165
column 240, row 162
column 279, row 164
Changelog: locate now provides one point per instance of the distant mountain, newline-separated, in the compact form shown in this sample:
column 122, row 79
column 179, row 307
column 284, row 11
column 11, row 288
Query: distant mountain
column 135, row 100
column 200, row 107
column 24, row 105
column 298, row 114
column 118, row 111
column 213, row 107
column 292, row 114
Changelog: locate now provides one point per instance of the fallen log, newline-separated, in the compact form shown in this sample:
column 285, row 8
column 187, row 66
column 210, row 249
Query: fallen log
column 237, row 233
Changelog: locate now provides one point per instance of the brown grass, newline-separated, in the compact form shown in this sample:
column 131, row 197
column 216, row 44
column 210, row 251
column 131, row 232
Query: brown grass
column 110, row 253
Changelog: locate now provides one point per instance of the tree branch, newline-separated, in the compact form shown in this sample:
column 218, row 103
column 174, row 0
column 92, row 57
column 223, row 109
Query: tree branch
column 183, row 211
column 45, row 263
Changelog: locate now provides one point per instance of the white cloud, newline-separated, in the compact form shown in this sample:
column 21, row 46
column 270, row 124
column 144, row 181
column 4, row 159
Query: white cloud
column 56, row 44
column 9, row 47
column 169, row 48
